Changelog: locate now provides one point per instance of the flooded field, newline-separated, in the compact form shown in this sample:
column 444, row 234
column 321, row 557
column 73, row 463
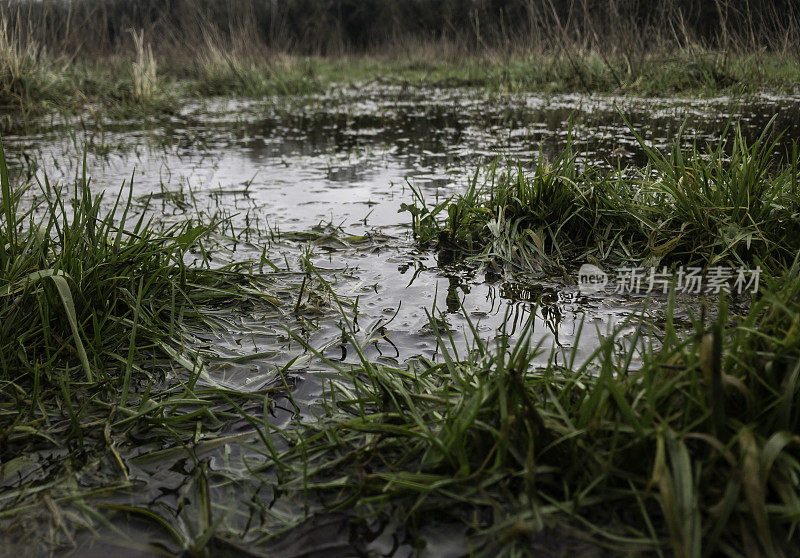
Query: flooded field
column 330, row 173
column 317, row 183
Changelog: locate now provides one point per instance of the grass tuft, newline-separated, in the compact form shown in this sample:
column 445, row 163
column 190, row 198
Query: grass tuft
column 143, row 71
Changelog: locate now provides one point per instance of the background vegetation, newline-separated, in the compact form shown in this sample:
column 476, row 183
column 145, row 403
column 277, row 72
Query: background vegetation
column 65, row 53
column 335, row 27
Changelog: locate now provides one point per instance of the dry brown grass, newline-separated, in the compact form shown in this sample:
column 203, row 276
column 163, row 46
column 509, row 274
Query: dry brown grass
column 143, row 70
column 24, row 65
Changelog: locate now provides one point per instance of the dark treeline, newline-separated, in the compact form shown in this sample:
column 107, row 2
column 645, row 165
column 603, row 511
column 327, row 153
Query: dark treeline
column 331, row 27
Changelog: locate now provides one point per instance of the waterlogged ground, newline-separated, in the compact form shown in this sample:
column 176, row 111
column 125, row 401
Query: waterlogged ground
column 323, row 178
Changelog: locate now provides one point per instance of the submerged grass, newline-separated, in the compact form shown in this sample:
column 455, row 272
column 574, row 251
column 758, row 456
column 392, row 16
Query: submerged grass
column 732, row 203
column 693, row 453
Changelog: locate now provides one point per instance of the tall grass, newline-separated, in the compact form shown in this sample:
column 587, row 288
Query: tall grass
column 25, row 69
column 336, row 27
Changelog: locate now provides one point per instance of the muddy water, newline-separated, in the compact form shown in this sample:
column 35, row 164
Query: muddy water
column 325, row 177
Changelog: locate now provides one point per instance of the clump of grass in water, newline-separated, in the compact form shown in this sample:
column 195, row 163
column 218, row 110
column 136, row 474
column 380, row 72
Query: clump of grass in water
column 79, row 269
column 696, row 452
column 720, row 206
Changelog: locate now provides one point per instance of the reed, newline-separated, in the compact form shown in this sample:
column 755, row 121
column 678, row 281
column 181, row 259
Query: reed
column 143, row 70
column 25, row 69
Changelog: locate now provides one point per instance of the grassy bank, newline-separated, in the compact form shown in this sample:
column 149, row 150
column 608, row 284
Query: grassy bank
column 148, row 54
column 36, row 82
